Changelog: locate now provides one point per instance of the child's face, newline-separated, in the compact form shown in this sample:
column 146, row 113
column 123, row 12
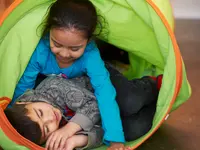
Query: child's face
column 67, row 45
column 47, row 116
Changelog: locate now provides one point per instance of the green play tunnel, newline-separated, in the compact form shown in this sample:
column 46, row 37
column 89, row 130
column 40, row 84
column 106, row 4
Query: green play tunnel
column 143, row 28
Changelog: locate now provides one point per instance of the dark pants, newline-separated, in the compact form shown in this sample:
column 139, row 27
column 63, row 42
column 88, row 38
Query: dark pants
column 137, row 102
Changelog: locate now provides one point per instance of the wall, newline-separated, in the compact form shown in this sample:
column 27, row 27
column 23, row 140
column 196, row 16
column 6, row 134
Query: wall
column 188, row 9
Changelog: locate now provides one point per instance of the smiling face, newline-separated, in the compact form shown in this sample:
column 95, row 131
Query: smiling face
column 47, row 116
column 67, row 45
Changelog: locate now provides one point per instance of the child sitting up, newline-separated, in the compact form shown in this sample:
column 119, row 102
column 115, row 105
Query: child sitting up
column 37, row 114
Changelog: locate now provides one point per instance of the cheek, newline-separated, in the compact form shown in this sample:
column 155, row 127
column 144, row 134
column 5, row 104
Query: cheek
column 53, row 127
column 55, row 50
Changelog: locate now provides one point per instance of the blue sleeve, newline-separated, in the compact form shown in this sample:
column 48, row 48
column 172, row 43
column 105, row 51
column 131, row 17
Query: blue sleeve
column 27, row 81
column 105, row 94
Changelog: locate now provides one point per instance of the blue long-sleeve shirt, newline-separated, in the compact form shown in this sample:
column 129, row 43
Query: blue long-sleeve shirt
column 43, row 61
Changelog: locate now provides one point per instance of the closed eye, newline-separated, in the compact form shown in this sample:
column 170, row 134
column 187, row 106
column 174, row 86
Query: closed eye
column 56, row 44
column 37, row 113
column 46, row 130
column 40, row 112
column 76, row 48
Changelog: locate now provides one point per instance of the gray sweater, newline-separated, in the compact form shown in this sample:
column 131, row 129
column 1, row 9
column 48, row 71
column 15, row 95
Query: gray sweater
column 76, row 94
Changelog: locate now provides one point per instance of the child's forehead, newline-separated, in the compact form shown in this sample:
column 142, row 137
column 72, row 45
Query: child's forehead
column 69, row 37
column 37, row 104
column 34, row 106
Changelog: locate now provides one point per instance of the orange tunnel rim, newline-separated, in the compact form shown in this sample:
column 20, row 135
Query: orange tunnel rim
column 9, row 10
column 178, row 68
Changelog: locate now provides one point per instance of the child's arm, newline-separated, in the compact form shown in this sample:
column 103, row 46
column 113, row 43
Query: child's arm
column 58, row 138
column 105, row 94
column 87, row 115
column 76, row 141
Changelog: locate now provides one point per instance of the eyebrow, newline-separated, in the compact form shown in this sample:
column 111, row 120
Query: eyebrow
column 75, row 46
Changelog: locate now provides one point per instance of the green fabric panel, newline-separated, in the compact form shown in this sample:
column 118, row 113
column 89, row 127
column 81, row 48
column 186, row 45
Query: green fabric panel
column 163, row 40
column 16, row 49
column 166, row 9
column 27, row 6
column 131, row 34
column 141, row 9
column 105, row 5
column 184, row 93
column 8, row 144
column 165, row 94
column 161, row 34
column 165, row 45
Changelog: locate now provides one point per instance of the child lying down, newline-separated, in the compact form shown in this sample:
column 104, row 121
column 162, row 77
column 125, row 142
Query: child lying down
column 50, row 104
column 64, row 112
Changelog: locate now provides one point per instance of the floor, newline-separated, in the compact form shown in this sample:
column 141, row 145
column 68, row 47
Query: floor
column 182, row 130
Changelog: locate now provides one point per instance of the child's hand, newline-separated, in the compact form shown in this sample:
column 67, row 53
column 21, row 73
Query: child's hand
column 58, row 139
column 118, row 146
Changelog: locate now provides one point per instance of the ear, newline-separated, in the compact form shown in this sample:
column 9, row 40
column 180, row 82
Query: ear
column 22, row 103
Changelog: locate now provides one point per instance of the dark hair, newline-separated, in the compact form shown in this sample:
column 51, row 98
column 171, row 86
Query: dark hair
column 77, row 14
column 17, row 116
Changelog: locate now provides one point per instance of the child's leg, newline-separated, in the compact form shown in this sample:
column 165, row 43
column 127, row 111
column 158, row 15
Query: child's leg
column 134, row 94
column 139, row 124
column 76, row 141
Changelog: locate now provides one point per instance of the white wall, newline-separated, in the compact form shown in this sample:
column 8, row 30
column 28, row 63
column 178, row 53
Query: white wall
column 186, row 8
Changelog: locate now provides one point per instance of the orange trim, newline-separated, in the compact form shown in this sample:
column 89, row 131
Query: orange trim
column 4, row 101
column 9, row 10
column 178, row 68
column 16, row 137
column 3, row 104
column 5, row 98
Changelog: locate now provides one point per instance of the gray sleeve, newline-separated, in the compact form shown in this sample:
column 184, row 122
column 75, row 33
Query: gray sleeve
column 70, row 93
column 87, row 115
column 95, row 138
column 83, row 82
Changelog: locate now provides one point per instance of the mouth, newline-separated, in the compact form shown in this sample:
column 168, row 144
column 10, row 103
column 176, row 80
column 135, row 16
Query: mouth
column 62, row 59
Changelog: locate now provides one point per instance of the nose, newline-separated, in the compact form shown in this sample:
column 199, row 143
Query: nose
column 65, row 53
